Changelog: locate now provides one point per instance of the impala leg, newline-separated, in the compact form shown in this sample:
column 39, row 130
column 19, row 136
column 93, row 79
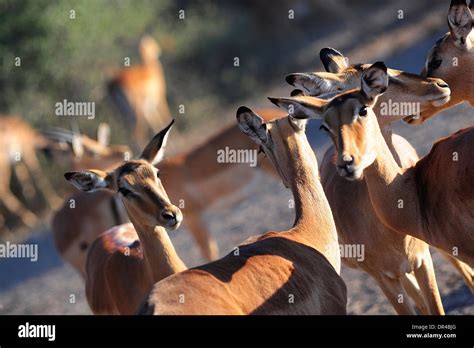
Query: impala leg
column 395, row 293
column 207, row 245
column 43, row 185
column 426, row 278
column 11, row 203
column 463, row 268
column 27, row 188
column 412, row 287
column 4, row 230
column 14, row 206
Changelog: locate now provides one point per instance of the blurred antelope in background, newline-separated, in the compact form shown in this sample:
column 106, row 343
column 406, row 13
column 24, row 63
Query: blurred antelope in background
column 125, row 261
column 18, row 146
column 288, row 272
column 139, row 92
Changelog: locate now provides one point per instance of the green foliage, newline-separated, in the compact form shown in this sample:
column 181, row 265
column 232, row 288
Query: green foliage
column 72, row 58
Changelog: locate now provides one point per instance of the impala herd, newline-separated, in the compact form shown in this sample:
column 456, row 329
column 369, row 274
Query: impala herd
column 370, row 189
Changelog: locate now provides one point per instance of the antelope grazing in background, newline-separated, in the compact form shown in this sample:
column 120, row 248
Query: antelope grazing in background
column 206, row 182
column 403, row 88
column 139, row 92
column 288, row 272
column 121, row 268
column 436, row 194
column 18, row 144
column 84, row 216
column 452, row 59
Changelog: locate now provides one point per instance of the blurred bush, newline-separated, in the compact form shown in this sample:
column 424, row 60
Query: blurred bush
column 64, row 58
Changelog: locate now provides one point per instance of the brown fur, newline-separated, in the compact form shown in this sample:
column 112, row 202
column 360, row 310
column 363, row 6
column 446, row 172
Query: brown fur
column 206, row 182
column 431, row 208
column 125, row 261
column 140, row 92
column 447, row 51
column 75, row 229
column 270, row 268
column 17, row 138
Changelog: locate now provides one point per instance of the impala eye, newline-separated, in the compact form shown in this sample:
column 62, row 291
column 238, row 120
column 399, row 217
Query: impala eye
column 324, row 128
column 363, row 111
column 125, row 192
column 158, row 174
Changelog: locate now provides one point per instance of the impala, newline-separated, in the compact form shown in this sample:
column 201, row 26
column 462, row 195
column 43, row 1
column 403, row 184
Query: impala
column 391, row 259
column 120, row 269
column 207, row 181
column 139, row 92
column 452, row 59
column 432, row 200
column 288, row 272
column 18, row 144
column 84, row 216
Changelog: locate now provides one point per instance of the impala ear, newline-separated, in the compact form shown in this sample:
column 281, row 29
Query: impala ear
column 90, row 180
column 311, row 83
column 252, row 125
column 155, row 149
column 103, row 134
column 333, row 60
column 301, row 107
column 374, row 81
column 460, row 22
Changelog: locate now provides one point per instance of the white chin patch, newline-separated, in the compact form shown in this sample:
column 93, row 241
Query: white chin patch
column 440, row 102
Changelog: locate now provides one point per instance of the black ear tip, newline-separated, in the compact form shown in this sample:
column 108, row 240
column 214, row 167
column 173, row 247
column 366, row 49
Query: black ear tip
column 380, row 65
column 328, row 51
column 274, row 100
column 290, row 79
column 242, row 110
column 68, row 175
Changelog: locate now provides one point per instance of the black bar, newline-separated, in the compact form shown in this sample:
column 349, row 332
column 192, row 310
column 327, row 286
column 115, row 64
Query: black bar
column 349, row 331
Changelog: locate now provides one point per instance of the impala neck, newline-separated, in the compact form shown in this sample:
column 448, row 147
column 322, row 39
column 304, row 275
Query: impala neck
column 159, row 254
column 392, row 191
column 314, row 222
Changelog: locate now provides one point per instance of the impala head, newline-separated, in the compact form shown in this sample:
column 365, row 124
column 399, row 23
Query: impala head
column 138, row 182
column 452, row 57
column 274, row 138
column 340, row 76
column 149, row 49
column 349, row 119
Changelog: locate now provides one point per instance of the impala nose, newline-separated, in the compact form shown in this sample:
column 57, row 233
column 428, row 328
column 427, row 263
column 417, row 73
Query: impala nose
column 347, row 165
column 439, row 83
column 442, row 84
column 172, row 217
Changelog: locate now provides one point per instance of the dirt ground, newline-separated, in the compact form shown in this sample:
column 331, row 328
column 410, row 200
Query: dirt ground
column 51, row 287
